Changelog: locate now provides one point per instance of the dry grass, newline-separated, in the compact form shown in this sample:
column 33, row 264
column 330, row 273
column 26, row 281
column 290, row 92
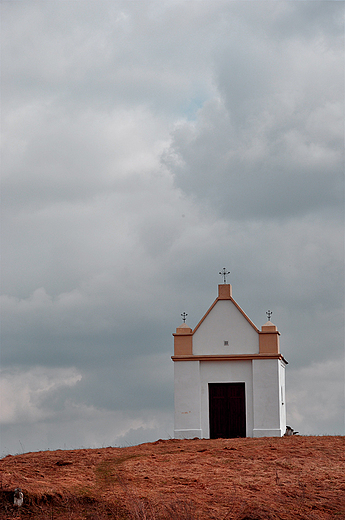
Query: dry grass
column 224, row 479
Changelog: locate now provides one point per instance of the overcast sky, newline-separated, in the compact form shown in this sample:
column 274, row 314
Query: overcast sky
column 145, row 146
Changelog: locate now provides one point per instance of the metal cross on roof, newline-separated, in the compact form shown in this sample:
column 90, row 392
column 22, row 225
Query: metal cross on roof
column 184, row 316
column 269, row 314
column 224, row 273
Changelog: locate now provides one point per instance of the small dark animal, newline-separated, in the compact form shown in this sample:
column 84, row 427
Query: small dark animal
column 289, row 431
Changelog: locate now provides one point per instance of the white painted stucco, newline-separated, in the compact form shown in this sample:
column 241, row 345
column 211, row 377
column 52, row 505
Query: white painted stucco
column 225, row 323
column 187, row 400
column 282, row 396
column 267, row 398
column 264, row 386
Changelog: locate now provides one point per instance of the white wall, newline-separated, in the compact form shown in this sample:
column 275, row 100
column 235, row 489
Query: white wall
column 187, row 399
column 267, row 398
column 282, row 397
column 225, row 323
column 264, row 389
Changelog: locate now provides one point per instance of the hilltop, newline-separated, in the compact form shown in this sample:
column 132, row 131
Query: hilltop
column 234, row 479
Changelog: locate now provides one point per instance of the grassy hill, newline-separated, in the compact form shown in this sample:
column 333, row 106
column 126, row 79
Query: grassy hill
column 224, row 479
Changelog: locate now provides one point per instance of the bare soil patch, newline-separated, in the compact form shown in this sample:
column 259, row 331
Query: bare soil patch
column 225, row 479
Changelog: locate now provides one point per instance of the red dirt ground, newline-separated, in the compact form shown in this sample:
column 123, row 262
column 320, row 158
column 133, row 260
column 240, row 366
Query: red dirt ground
column 234, row 479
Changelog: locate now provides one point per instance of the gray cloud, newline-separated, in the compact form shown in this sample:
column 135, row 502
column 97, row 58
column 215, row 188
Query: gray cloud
column 144, row 147
column 276, row 130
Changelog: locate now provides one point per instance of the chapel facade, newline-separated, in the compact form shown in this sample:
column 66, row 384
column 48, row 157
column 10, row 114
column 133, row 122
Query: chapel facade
column 229, row 376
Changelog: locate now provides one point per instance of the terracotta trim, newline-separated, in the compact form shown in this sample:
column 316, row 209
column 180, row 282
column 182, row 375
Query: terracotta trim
column 205, row 315
column 228, row 357
column 244, row 314
column 236, row 305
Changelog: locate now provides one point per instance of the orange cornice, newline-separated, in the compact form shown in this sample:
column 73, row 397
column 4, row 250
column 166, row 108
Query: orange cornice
column 236, row 305
column 228, row 357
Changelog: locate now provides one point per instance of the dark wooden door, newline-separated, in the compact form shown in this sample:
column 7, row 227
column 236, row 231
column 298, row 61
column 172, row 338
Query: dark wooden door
column 227, row 407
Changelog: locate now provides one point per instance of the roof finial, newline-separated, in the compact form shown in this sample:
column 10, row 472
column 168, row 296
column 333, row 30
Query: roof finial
column 269, row 314
column 224, row 273
column 184, row 316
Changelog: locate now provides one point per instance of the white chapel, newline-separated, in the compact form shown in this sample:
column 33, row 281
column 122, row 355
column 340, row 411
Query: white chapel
column 229, row 376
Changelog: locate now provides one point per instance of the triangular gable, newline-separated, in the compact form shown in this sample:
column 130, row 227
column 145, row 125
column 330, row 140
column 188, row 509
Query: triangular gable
column 225, row 329
column 236, row 305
